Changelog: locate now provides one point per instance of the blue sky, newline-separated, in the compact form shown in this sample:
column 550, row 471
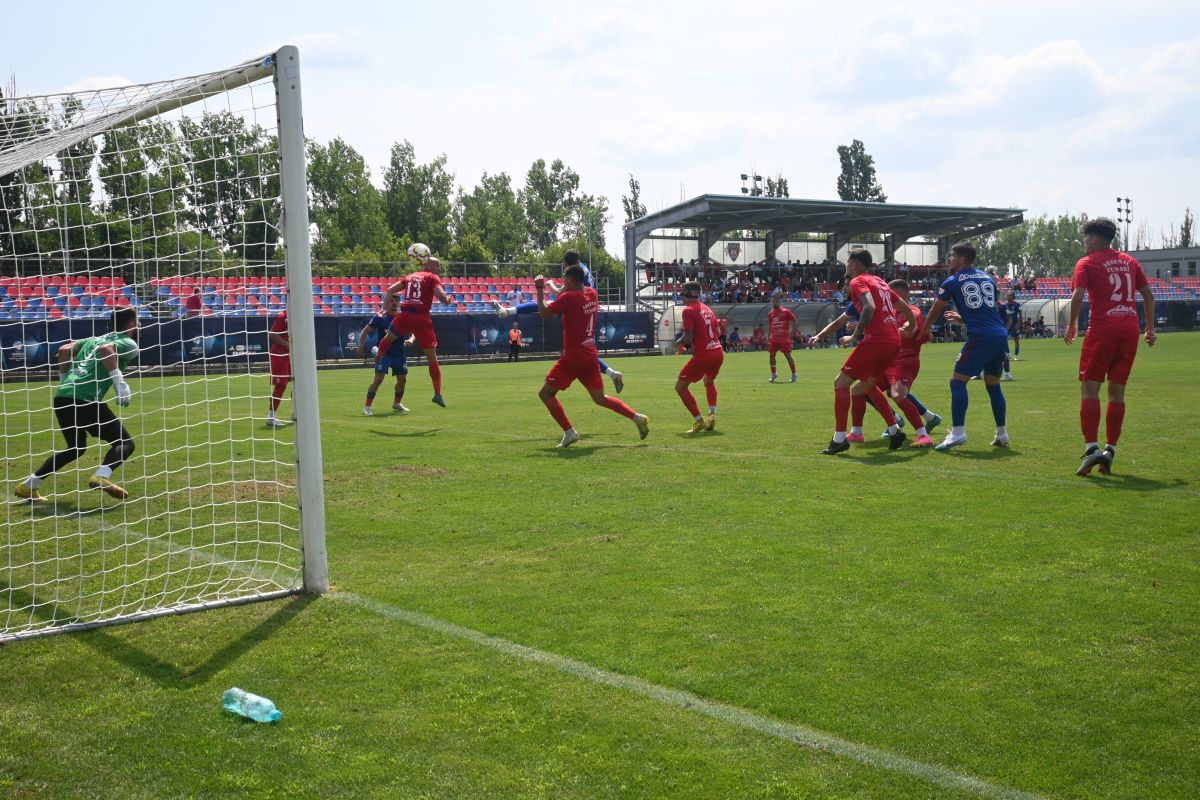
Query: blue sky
column 1051, row 106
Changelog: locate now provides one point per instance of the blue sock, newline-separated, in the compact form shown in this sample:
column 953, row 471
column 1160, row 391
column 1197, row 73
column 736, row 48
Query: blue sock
column 1017, row 350
column 526, row 308
column 603, row 367
column 958, row 403
column 999, row 405
column 921, row 409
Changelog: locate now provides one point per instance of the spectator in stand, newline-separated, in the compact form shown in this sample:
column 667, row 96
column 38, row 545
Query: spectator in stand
column 1014, row 284
column 193, row 305
column 1030, row 283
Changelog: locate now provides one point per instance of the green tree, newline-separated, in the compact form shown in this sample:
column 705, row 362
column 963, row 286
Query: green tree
column 1043, row 245
column 549, row 199
column 587, row 221
column 347, row 209
column 857, row 180
column 418, row 198
column 1185, row 229
column 470, row 249
column 777, row 186
column 492, row 213
column 632, row 203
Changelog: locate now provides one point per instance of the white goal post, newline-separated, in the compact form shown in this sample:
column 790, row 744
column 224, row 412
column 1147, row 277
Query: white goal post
column 176, row 213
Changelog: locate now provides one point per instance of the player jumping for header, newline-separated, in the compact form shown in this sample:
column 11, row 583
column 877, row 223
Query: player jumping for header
column 418, row 290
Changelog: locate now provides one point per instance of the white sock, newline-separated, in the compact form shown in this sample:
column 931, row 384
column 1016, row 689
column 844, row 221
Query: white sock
column 568, row 431
column 922, row 432
column 856, row 430
column 1001, row 430
column 699, row 418
column 893, row 428
column 959, row 430
column 712, row 409
column 839, row 437
column 1090, row 445
column 1112, row 447
column 271, row 414
column 103, row 471
column 928, row 416
column 33, row 481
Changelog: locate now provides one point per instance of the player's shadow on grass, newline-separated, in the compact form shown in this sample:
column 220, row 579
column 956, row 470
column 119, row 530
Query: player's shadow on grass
column 406, row 434
column 991, row 454
column 698, row 437
column 1132, row 483
column 163, row 670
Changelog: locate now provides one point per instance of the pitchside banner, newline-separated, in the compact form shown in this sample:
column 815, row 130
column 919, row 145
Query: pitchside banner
column 238, row 339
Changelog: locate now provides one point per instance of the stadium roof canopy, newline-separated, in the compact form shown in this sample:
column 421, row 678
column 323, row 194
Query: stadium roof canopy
column 713, row 215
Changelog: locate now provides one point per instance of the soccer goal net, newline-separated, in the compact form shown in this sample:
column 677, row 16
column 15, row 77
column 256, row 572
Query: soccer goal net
column 159, row 230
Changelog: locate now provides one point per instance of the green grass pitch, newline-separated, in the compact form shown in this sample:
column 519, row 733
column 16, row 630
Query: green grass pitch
column 982, row 611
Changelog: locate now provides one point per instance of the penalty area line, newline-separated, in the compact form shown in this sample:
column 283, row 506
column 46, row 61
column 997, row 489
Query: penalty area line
column 797, row 734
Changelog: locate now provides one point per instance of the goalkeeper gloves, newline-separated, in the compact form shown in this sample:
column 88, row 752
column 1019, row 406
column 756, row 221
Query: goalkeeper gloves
column 124, row 393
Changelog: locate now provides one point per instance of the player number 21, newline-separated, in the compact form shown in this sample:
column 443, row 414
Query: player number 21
column 1116, row 282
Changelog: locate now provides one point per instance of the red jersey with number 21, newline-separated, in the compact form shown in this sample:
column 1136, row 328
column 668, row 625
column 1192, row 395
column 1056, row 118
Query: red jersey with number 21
column 702, row 322
column 1113, row 281
column 578, row 311
column 883, row 322
column 418, row 291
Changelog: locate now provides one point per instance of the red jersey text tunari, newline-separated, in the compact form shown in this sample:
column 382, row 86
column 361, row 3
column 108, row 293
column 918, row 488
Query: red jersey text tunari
column 702, row 322
column 578, row 311
column 1113, row 280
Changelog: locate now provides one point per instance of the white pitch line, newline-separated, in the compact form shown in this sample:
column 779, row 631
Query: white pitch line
column 797, row 734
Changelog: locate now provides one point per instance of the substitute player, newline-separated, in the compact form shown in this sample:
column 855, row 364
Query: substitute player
column 570, row 259
column 1110, row 279
column 781, row 322
column 578, row 306
column 419, row 289
column 1012, row 319
column 281, row 366
column 700, row 331
column 395, row 360
column 973, row 293
column 877, row 336
column 88, row 367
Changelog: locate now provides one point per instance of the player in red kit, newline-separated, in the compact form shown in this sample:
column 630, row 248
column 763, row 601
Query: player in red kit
column 877, row 336
column 702, row 332
column 577, row 306
column 417, row 292
column 780, row 322
column 281, row 365
column 902, row 373
column 1111, row 280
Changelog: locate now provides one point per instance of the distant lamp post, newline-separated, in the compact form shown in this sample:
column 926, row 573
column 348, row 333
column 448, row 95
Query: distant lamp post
column 754, row 190
column 1128, row 217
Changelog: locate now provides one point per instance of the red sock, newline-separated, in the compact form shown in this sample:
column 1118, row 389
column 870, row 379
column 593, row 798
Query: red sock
column 911, row 414
column 841, row 407
column 613, row 404
column 881, row 405
column 858, row 409
column 689, row 402
column 435, row 375
column 558, row 412
column 1089, row 418
column 710, row 391
column 277, row 395
column 1113, row 420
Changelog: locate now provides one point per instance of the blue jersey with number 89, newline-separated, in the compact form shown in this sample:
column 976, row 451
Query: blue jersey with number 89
column 973, row 293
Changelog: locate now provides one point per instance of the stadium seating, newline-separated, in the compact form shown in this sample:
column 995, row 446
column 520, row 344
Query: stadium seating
column 43, row 297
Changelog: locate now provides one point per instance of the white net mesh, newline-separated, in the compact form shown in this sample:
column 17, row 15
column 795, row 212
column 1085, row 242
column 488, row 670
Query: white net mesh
column 135, row 198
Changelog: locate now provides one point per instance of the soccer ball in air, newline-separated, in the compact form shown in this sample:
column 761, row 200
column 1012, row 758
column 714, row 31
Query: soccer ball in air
column 420, row 252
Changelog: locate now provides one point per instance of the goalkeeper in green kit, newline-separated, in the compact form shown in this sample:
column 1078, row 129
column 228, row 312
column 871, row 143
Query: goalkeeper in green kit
column 88, row 368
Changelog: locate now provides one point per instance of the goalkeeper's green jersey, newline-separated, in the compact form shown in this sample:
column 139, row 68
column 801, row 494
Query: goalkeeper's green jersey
column 87, row 379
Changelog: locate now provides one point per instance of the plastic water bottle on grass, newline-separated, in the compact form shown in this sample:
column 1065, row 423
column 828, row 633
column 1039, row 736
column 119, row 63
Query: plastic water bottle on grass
column 259, row 709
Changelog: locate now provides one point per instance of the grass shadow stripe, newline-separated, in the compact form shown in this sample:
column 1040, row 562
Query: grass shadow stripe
column 743, row 718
